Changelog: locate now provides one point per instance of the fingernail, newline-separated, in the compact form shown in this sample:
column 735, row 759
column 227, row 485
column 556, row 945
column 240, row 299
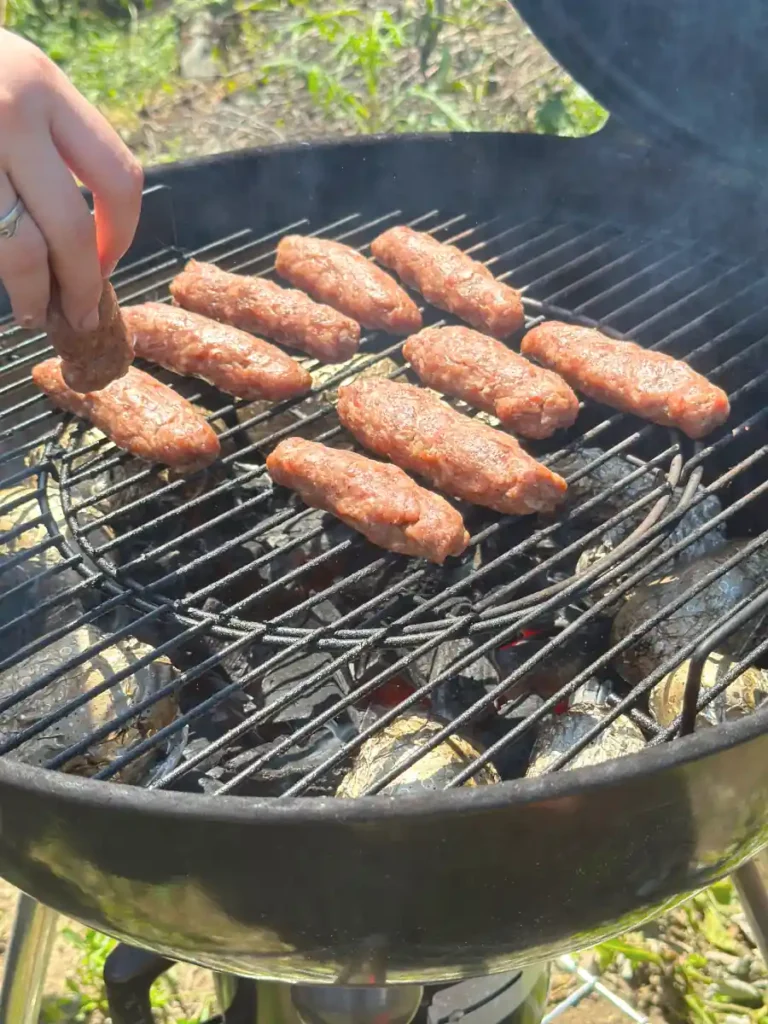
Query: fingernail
column 91, row 321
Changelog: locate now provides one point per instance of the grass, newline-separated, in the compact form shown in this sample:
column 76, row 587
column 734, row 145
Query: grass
column 288, row 68
column 84, row 1000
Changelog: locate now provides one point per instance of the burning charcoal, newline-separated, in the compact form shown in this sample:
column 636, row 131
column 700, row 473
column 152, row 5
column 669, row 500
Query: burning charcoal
column 741, row 697
column 399, row 740
column 558, row 733
column 570, row 657
column 74, row 683
column 694, row 618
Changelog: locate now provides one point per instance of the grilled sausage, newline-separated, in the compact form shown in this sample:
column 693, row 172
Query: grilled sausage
column 231, row 360
column 459, row 455
column 91, row 359
column 629, row 378
column 334, row 273
column 485, row 373
column 375, row 498
column 139, row 414
column 450, row 279
column 263, row 307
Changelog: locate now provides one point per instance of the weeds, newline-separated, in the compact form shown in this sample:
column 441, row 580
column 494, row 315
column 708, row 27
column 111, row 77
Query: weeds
column 85, row 1000
column 289, row 68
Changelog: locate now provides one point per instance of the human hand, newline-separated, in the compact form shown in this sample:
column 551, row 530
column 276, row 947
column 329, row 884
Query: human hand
column 48, row 134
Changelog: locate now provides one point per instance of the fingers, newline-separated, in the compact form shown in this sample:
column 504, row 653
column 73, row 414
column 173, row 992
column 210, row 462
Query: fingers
column 57, row 206
column 24, row 264
column 104, row 163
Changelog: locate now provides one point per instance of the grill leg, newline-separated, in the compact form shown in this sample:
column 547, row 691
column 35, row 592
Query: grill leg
column 751, row 881
column 26, row 961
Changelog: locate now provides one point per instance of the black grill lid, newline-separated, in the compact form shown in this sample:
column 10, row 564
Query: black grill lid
column 691, row 70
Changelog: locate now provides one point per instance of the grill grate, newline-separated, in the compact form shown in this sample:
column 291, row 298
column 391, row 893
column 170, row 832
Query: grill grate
column 220, row 570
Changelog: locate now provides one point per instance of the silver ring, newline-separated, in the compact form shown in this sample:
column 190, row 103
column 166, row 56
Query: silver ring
column 10, row 221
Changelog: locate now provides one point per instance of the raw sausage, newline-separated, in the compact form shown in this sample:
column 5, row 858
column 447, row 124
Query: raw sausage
column 375, row 498
column 263, row 307
column 342, row 277
column 231, row 360
column 485, row 373
column 459, row 455
column 91, row 359
column 139, row 414
column 629, row 378
column 450, row 279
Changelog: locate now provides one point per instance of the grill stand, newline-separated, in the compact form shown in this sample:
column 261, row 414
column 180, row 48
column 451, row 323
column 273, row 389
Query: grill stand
column 26, row 961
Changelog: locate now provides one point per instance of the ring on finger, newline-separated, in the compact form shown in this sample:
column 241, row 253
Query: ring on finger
column 10, row 221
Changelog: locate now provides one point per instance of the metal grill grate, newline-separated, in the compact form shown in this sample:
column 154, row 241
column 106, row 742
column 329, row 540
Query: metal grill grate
column 231, row 580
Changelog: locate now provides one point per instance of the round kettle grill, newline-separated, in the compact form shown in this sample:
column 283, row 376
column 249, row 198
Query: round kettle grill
column 197, row 816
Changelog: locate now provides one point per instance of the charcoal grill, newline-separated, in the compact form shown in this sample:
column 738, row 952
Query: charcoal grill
column 218, row 861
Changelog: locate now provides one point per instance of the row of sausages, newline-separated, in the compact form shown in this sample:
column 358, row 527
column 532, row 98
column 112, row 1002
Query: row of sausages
column 410, row 426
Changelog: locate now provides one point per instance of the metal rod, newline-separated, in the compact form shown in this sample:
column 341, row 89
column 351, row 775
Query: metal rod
column 751, row 882
column 26, row 961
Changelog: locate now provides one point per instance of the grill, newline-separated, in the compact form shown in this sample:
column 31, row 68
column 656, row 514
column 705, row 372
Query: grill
column 168, row 559
column 226, row 650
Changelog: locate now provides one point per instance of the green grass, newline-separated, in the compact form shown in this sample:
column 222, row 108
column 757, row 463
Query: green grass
column 85, row 1002
column 309, row 66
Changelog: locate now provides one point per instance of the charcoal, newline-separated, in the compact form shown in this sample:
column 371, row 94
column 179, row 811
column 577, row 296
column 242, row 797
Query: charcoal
column 572, row 656
column 693, row 519
column 463, row 688
column 697, row 615
column 600, row 478
column 286, row 769
column 297, row 668
column 512, row 759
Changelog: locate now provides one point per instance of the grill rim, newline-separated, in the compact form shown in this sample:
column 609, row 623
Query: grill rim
column 171, row 804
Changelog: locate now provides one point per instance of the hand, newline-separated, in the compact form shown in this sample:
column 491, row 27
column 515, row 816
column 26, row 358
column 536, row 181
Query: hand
column 48, row 134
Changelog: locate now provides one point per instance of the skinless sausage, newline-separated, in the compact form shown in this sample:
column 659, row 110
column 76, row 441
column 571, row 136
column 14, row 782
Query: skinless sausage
column 140, row 415
column 375, row 498
column 254, row 304
column 630, row 378
column 231, row 360
column 457, row 454
column 91, row 359
column 486, row 374
column 450, row 279
column 345, row 279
